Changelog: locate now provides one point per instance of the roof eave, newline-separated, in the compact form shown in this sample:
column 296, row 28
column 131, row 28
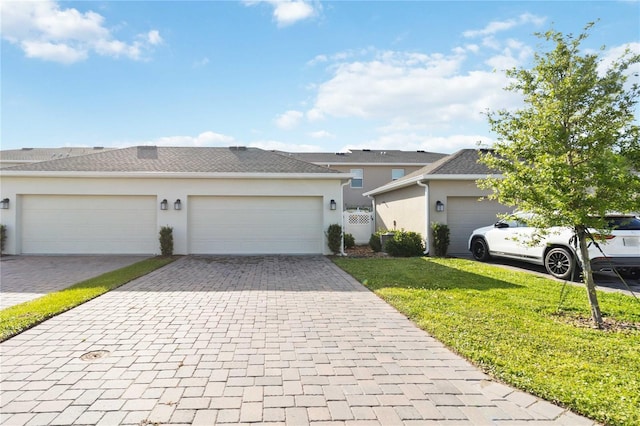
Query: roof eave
column 173, row 175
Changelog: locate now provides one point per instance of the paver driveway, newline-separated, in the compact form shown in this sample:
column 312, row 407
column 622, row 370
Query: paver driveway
column 289, row 340
column 23, row 278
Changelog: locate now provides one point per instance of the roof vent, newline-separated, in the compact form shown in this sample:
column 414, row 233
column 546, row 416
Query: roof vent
column 148, row 152
column 420, row 150
column 238, row 148
column 27, row 149
column 366, row 150
column 339, row 153
column 98, row 147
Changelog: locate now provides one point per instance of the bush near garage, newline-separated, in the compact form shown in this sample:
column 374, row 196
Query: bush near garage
column 440, row 239
column 166, row 241
column 349, row 241
column 3, row 237
column 405, row 244
column 334, row 238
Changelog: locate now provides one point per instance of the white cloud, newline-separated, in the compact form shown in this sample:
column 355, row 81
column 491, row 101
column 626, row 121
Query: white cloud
column 514, row 54
column 207, row 138
column 615, row 53
column 322, row 134
column 498, row 26
column 154, row 38
column 289, row 119
column 410, row 87
column 45, row 30
column 288, row 12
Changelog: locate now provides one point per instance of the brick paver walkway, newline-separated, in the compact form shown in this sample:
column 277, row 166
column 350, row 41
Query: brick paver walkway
column 279, row 340
column 23, row 278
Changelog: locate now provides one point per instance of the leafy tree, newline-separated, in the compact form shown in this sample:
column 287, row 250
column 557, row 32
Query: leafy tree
column 572, row 153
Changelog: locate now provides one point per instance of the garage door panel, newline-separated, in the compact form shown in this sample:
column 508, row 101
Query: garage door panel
column 255, row 225
column 464, row 214
column 78, row 224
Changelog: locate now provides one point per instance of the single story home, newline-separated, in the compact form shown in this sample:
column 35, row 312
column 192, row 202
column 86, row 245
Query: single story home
column 445, row 192
column 234, row 200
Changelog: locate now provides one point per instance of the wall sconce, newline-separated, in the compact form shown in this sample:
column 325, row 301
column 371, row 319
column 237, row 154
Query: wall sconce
column 164, row 204
column 4, row 204
column 439, row 206
column 177, row 205
column 332, row 204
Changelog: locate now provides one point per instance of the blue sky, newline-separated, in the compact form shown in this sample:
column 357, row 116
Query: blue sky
column 289, row 75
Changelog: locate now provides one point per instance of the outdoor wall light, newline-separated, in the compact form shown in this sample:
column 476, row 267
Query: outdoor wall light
column 4, row 204
column 439, row 206
column 164, row 204
column 177, row 205
column 332, row 204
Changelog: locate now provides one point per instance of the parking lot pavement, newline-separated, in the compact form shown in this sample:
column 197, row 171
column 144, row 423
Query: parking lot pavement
column 277, row 339
column 23, row 278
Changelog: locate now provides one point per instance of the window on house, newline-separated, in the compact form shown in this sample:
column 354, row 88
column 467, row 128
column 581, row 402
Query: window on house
column 356, row 181
column 396, row 173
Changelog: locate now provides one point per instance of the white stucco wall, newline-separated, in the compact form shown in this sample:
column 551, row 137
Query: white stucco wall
column 170, row 188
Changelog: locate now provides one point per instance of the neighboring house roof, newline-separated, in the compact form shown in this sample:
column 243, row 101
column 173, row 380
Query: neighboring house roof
column 178, row 160
column 367, row 156
column 31, row 155
column 460, row 165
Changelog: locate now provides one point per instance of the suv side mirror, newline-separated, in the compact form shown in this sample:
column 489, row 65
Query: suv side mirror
column 501, row 224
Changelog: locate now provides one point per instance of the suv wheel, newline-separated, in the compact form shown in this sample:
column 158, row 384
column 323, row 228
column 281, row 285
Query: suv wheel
column 559, row 262
column 480, row 250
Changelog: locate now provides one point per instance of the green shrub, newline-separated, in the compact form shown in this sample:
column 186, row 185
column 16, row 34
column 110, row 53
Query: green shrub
column 349, row 241
column 166, row 241
column 375, row 243
column 3, row 237
column 334, row 237
column 405, row 244
column 440, row 239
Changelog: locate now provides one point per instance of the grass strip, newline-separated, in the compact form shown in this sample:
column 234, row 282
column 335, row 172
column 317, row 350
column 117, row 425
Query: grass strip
column 517, row 327
column 16, row 319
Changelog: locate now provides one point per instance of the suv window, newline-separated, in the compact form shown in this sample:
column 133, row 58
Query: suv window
column 624, row 223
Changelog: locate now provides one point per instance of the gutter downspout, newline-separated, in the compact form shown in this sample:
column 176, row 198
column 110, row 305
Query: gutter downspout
column 342, row 253
column 426, row 215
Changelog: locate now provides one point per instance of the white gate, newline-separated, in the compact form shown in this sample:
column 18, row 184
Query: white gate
column 359, row 224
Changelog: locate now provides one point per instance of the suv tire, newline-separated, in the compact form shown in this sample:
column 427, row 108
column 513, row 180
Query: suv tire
column 559, row 262
column 480, row 250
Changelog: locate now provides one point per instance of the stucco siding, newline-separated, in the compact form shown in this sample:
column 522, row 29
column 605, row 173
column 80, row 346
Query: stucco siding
column 373, row 177
column 401, row 209
column 171, row 189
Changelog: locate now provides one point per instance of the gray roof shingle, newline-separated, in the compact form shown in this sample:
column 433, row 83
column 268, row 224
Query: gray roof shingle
column 366, row 156
column 178, row 160
column 463, row 162
column 45, row 154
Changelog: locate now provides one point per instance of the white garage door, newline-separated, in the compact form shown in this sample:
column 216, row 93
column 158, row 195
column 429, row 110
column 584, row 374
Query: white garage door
column 464, row 214
column 88, row 224
column 255, row 225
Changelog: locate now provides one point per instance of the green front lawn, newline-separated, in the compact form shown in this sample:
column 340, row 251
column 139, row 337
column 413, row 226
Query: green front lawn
column 16, row 319
column 509, row 324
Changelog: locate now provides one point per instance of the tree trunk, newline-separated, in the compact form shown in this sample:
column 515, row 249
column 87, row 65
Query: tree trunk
column 596, row 315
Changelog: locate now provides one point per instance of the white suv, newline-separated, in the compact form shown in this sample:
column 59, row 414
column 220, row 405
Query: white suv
column 512, row 238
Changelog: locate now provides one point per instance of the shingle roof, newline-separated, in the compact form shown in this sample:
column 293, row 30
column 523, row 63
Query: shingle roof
column 365, row 156
column 178, row 160
column 45, row 154
column 463, row 162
